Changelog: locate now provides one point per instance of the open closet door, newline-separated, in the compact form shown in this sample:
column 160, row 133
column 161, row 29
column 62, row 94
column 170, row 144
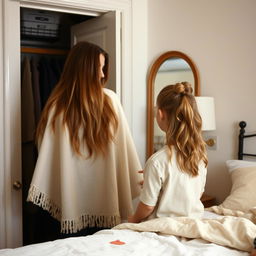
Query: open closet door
column 105, row 32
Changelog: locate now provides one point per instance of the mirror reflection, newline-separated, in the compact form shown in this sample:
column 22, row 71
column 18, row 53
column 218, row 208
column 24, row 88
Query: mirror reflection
column 170, row 68
column 171, row 71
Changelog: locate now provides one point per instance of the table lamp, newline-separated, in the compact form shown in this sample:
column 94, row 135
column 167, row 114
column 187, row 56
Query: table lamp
column 206, row 109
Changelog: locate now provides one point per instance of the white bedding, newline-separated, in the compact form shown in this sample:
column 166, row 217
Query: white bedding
column 232, row 231
column 141, row 243
column 136, row 243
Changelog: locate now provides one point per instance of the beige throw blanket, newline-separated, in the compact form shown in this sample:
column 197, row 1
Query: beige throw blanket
column 234, row 232
column 81, row 192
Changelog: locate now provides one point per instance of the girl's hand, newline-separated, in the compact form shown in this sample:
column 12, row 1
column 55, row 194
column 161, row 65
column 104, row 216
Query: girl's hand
column 253, row 253
column 131, row 219
column 141, row 213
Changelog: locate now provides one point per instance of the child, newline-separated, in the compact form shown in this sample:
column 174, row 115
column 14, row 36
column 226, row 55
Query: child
column 174, row 177
column 253, row 252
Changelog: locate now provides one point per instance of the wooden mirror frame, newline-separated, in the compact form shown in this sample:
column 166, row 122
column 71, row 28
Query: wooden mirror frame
column 150, row 91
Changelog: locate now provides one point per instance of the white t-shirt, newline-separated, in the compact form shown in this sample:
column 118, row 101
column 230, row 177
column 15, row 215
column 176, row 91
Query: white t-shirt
column 171, row 191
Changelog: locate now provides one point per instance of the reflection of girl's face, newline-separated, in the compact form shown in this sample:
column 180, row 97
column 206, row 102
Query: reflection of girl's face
column 102, row 64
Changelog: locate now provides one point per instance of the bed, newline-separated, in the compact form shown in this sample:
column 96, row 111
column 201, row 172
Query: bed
column 226, row 229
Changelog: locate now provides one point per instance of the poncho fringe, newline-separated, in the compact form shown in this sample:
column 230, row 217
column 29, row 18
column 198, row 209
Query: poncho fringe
column 70, row 226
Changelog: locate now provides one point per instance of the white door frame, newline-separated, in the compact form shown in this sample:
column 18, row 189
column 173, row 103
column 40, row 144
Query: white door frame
column 10, row 110
column 2, row 173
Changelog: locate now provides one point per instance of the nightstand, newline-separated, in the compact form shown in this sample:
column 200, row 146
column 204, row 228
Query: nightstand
column 208, row 201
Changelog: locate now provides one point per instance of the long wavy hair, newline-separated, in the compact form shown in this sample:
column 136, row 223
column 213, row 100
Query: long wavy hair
column 87, row 112
column 184, row 123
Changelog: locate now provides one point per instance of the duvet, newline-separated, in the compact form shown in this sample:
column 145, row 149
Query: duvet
column 213, row 235
column 134, row 243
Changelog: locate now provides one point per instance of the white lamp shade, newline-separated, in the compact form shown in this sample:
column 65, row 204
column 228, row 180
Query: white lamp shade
column 206, row 109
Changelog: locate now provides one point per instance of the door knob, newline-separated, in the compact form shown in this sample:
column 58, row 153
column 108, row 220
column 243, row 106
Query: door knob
column 17, row 185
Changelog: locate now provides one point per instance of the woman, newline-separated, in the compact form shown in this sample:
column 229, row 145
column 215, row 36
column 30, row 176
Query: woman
column 87, row 169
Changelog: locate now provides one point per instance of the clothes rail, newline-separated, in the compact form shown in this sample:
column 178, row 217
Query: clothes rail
column 43, row 51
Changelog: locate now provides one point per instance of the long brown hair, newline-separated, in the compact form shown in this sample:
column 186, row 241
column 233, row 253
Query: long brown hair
column 184, row 126
column 87, row 112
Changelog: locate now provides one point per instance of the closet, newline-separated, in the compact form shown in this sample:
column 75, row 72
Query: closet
column 109, row 24
column 45, row 42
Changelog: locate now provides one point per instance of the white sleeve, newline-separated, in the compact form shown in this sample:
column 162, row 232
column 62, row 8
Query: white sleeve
column 152, row 185
column 203, row 175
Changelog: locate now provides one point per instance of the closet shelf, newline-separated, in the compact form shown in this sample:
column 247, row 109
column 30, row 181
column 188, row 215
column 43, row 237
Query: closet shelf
column 43, row 51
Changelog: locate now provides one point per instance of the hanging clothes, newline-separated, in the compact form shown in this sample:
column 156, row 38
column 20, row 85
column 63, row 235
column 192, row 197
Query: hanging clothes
column 49, row 73
column 27, row 103
column 28, row 146
column 36, row 89
column 39, row 75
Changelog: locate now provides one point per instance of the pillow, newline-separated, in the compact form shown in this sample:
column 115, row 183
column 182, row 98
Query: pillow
column 243, row 193
column 235, row 164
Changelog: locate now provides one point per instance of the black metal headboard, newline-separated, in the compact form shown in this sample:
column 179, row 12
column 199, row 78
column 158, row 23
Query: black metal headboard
column 242, row 136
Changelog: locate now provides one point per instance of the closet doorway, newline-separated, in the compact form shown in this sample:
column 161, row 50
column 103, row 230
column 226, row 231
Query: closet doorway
column 10, row 131
column 46, row 38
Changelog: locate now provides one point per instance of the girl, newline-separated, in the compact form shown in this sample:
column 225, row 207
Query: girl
column 174, row 177
column 87, row 169
column 253, row 252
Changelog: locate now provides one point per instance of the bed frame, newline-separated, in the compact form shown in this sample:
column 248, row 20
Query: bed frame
column 242, row 136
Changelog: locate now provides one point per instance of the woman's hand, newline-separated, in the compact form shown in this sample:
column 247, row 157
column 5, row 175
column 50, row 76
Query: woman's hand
column 141, row 182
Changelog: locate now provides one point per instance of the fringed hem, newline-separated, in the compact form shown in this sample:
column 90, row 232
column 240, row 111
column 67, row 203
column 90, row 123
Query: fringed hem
column 73, row 226
column 70, row 226
column 38, row 198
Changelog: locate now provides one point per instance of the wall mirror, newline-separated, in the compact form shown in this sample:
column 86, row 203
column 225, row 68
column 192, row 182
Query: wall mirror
column 170, row 68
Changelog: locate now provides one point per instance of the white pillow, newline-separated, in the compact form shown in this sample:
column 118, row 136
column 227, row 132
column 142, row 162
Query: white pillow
column 235, row 164
column 243, row 193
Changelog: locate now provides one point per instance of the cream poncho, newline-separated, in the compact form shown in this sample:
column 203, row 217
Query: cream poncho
column 83, row 192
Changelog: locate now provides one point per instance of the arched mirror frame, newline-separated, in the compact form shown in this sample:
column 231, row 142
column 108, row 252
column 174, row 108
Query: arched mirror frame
column 150, row 91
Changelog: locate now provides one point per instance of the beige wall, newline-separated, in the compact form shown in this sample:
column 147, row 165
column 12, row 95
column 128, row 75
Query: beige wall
column 220, row 38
